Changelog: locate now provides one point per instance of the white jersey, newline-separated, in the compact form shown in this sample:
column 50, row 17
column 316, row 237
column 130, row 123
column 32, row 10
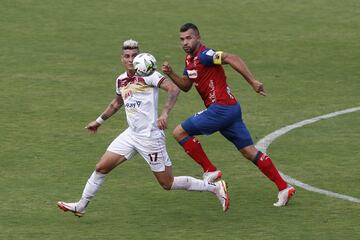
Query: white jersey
column 140, row 95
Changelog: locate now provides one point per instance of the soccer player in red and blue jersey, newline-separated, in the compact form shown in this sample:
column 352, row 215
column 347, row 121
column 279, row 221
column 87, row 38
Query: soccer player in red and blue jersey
column 203, row 68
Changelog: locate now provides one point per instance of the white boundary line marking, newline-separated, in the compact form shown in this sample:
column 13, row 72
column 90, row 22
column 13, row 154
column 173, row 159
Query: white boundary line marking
column 265, row 142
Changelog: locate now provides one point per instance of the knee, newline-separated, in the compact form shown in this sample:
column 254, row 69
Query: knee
column 166, row 185
column 249, row 152
column 101, row 168
column 178, row 132
column 248, row 156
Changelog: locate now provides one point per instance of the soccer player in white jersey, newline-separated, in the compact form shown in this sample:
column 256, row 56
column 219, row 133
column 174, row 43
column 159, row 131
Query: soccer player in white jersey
column 144, row 135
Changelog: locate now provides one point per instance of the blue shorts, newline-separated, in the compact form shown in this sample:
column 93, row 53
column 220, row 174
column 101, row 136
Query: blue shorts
column 227, row 119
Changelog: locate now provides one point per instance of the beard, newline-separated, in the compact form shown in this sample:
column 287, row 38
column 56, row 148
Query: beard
column 189, row 50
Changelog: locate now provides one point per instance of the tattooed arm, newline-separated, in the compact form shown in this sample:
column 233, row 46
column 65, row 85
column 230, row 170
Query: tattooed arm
column 173, row 92
column 113, row 107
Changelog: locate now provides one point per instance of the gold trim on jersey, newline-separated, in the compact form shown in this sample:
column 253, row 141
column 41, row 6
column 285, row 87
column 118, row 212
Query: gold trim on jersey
column 133, row 88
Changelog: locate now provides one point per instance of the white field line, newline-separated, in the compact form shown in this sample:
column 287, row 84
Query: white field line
column 265, row 142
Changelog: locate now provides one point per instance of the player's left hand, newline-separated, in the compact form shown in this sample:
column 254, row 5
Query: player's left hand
column 258, row 87
column 162, row 121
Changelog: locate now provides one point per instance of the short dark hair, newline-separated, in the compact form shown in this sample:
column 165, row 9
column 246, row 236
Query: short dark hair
column 188, row 26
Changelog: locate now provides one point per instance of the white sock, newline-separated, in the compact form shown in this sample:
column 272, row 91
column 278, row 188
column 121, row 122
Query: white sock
column 92, row 186
column 192, row 184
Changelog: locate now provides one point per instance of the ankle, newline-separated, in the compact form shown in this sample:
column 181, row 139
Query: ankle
column 82, row 203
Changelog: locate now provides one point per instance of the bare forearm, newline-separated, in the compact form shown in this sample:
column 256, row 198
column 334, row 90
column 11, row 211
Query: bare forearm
column 179, row 81
column 183, row 83
column 170, row 101
column 113, row 107
column 239, row 65
column 110, row 110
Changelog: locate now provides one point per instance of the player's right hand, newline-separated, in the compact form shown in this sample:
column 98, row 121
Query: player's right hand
column 162, row 121
column 93, row 126
column 166, row 68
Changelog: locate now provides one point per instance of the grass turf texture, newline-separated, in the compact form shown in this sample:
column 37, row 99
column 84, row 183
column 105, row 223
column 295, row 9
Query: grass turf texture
column 58, row 63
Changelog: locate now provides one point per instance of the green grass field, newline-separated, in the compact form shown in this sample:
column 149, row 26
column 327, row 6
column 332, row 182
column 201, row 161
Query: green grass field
column 58, row 63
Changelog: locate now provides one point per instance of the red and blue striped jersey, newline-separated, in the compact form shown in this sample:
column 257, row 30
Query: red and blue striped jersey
column 209, row 77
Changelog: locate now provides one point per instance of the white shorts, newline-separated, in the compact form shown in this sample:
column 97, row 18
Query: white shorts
column 152, row 149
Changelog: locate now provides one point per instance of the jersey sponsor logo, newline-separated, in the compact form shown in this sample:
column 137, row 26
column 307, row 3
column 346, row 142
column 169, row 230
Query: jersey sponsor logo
column 192, row 73
column 133, row 104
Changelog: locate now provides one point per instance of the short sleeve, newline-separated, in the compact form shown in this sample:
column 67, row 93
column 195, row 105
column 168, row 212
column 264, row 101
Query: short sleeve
column 118, row 86
column 185, row 72
column 210, row 57
column 154, row 79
